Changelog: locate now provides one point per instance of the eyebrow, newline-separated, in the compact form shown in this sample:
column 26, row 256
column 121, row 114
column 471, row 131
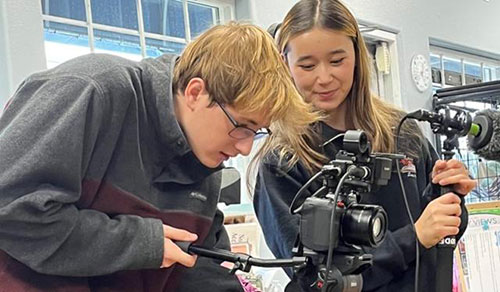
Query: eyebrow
column 334, row 52
column 251, row 121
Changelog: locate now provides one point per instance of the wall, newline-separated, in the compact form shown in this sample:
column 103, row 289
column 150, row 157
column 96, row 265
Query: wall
column 21, row 44
column 466, row 23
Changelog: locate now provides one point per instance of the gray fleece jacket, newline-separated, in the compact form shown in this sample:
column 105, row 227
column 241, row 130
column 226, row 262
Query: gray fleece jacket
column 92, row 161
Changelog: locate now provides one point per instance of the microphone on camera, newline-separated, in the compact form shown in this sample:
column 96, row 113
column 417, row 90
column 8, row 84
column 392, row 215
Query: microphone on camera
column 483, row 132
column 486, row 142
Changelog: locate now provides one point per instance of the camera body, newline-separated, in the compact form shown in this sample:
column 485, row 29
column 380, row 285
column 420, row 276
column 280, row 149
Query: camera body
column 337, row 221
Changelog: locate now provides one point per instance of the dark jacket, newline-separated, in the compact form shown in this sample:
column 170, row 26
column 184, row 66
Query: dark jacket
column 92, row 162
column 394, row 260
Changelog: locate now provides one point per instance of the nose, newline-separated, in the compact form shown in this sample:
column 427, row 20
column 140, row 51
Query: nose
column 324, row 74
column 244, row 146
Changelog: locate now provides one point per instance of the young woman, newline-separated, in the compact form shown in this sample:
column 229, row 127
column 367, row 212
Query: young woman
column 328, row 60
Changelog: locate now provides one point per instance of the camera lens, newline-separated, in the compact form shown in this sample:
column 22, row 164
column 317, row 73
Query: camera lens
column 377, row 226
column 364, row 225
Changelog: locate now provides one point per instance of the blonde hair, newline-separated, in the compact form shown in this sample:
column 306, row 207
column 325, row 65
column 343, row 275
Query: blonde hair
column 364, row 111
column 242, row 67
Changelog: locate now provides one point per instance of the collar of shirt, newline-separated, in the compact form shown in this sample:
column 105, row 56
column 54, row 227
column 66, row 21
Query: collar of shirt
column 186, row 169
column 157, row 86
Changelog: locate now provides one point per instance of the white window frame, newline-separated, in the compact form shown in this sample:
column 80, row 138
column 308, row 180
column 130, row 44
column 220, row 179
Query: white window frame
column 226, row 13
column 464, row 58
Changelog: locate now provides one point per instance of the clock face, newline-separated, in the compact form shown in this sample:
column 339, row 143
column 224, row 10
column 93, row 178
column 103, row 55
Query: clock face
column 421, row 72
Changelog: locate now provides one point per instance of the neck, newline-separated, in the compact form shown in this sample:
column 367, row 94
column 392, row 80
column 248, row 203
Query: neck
column 336, row 118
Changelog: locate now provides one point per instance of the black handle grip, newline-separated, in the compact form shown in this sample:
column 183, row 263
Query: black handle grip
column 448, row 241
column 444, row 269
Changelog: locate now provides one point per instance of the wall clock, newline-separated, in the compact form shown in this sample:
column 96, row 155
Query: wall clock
column 421, row 72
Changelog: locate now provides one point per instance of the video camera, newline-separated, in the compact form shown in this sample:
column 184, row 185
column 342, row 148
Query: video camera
column 333, row 224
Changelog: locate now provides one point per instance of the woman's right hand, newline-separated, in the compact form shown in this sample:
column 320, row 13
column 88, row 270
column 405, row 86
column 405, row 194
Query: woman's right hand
column 439, row 219
column 172, row 253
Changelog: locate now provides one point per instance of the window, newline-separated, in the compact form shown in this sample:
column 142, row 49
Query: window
column 133, row 29
column 451, row 68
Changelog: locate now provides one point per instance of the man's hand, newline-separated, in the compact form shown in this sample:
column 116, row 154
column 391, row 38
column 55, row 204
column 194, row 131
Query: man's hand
column 447, row 172
column 439, row 219
column 172, row 253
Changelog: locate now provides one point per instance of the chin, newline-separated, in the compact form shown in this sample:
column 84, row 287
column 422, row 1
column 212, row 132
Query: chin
column 327, row 107
column 210, row 163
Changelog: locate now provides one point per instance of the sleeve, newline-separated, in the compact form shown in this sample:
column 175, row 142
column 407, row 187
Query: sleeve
column 48, row 135
column 274, row 192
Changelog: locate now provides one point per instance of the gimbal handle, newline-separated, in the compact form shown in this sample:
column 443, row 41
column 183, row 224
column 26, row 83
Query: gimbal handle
column 241, row 261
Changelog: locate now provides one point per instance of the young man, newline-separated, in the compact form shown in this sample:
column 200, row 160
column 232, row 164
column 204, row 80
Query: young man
column 104, row 163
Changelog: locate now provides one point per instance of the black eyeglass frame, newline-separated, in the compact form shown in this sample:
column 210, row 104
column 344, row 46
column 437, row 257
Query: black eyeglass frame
column 256, row 134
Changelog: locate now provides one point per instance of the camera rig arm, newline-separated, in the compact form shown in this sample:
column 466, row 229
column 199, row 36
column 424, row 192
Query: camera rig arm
column 243, row 262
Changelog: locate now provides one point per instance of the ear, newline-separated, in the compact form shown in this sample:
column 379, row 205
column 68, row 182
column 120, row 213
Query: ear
column 194, row 92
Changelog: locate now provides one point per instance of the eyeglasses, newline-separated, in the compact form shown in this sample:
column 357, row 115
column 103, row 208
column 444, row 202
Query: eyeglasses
column 241, row 132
